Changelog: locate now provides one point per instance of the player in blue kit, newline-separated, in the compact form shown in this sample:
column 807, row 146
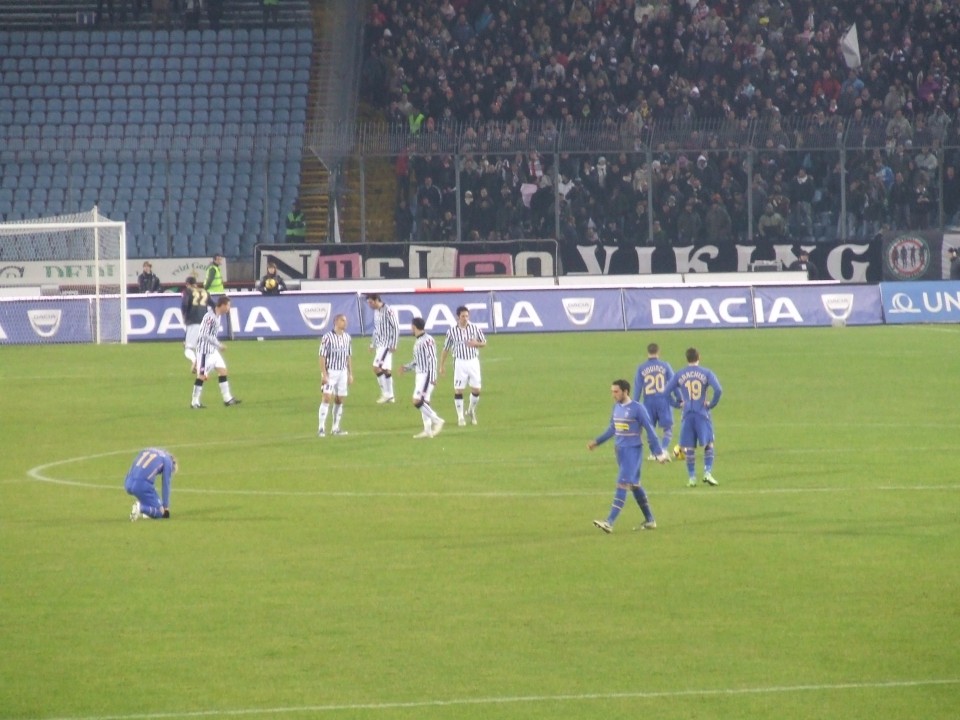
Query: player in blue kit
column 141, row 483
column 652, row 377
column 626, row 422
column 696, row 426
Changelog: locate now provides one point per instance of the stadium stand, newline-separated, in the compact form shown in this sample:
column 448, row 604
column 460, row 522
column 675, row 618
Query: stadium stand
column 113, row 117
column 721, row 73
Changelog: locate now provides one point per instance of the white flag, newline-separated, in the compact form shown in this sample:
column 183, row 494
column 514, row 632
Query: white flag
column 850, row 47
column 336, row 224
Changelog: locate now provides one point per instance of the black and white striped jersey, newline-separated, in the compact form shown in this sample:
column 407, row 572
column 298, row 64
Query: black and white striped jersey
column 425, row 356
column 336, row 349
column 386, row 330
column 457, row 338
column 209, row 327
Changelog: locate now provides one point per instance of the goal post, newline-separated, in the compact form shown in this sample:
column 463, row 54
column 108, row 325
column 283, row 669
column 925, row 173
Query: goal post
column 75, row 262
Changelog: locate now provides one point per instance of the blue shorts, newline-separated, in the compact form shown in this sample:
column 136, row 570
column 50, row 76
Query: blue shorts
column 660, row 412
column 144, row 491
column 628, row 460
column 696, row 430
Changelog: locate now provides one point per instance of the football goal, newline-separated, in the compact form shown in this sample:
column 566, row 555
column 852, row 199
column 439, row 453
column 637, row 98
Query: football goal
column 65, row 277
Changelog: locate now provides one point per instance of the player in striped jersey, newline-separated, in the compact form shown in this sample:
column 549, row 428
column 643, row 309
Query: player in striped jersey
column 209, row 348
column 425, row 365
column 383, row 344
column 336, row 373
column 464, row 340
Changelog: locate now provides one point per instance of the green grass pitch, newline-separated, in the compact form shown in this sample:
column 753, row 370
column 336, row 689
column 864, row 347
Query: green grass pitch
column 376, row 576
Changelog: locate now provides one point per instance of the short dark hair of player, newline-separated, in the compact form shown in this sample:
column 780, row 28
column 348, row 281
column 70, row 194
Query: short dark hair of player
column 419, row 323
column 462, row 309
column 624, row 385
column 653, row 349
column 693, row 355
column 223, row 300
column 373, row 296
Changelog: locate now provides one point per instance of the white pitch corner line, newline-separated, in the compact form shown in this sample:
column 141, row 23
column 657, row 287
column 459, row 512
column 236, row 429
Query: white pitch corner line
column 519, row 699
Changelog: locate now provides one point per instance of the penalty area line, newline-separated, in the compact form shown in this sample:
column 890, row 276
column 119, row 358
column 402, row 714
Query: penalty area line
column 522, row 699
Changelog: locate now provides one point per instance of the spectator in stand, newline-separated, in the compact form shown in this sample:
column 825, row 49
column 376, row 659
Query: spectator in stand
column 402, row 221
column 900, row 202
column 448, row 227
column 526, row 65
column 271, row 12
column 296, row 224
column 718, row 224
column 771, row 226
column 951, row 196
column 147, row 282
column 429, row 199
column 689, row 224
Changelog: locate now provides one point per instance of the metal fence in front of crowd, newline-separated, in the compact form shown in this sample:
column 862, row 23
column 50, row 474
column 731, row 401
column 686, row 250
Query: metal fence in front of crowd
column 637, row 182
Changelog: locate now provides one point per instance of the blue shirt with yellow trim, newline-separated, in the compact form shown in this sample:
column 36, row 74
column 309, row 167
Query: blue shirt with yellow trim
column 626, row 422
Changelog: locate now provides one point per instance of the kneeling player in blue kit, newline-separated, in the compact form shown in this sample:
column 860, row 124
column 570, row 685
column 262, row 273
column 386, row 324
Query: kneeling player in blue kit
column 141, row 483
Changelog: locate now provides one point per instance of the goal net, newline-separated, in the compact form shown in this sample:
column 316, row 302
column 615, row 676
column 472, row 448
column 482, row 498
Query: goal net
column 63, row 279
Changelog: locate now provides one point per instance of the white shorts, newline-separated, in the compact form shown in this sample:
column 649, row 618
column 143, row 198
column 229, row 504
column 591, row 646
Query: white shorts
column 383, row 358
column 337, row 382
column 423, row 387
column 193, row 334
column 466, row 372
column 213, row 360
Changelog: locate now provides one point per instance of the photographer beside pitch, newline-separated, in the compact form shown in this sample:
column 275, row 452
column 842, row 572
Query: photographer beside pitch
column 954, row 264
column 141, row 483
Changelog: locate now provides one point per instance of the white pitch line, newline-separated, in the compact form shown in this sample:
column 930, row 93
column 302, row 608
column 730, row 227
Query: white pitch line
column 518, row 699
column 37, row 473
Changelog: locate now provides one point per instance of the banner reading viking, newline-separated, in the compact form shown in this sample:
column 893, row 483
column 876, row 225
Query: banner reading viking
column 352, row 261
column 846, row 262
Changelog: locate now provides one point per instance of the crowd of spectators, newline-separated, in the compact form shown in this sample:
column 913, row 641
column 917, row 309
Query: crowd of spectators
column 493, row 72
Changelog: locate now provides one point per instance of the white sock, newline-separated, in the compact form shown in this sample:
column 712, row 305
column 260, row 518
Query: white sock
column 225, row 390
column 337, row 414
column 197, row 392
column 431, row 413
column 388, row 385
column 458, row 404
column 382, row 382
column 474, row 401
column 324, row 409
